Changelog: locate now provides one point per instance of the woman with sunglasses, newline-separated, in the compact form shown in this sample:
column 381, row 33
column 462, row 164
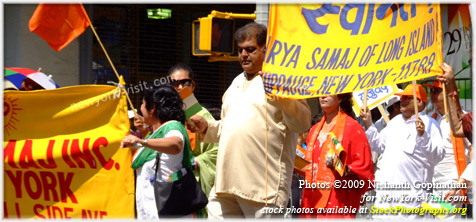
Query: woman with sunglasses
column 181, row 76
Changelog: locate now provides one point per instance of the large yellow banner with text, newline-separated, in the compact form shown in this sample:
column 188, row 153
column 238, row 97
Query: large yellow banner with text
column 324, row 49
column 61, row 154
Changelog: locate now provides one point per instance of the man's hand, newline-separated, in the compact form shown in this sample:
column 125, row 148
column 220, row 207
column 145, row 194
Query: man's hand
column 448, row 73
column 449, row 194
column 330, row 161
column 420, row 126
column 198, row 124
column 366, row 116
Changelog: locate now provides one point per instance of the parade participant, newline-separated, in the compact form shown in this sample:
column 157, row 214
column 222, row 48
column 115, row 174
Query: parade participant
column 162, row 109
column 411, row 148
column 393, row 108
column 205, row 154
column 28, row 84
column 338, row 120
column 257, row 138
column 453, row 164
column 460, row 122
column 38, row 80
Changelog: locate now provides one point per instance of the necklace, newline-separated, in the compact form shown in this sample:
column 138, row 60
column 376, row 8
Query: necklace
column 322, row 137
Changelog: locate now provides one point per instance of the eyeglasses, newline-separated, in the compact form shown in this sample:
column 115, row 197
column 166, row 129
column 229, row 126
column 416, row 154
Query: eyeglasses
column 436, row 90
column 183, row 82
column 249, row 50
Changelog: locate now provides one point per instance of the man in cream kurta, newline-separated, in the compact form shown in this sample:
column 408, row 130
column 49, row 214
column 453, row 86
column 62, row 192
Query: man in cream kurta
column 241, row 189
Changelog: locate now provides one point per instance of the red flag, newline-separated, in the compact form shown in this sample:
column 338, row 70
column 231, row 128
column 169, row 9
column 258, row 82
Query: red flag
column 59, row 24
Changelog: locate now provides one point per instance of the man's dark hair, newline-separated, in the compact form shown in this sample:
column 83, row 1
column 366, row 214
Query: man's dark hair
column 390, row 108
column 167, row 101
column 250, row 30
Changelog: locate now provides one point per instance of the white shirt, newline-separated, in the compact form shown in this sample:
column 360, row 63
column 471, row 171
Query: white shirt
column 145, row 199
column 445, row 170
column 468, row 172
column 408, row 158
column 376, row 158
column 380, row 124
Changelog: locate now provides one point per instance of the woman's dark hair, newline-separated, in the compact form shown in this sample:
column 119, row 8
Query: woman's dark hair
column 346, row 104
column 252, row 29
column 183, row 67
column 168, row 104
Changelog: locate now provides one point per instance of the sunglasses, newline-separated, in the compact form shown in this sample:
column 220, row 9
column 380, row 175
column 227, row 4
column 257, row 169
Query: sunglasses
column 183, row 82
column 435, row 90
column 247, row 49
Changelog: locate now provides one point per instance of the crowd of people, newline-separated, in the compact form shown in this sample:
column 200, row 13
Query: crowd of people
column 244, row 162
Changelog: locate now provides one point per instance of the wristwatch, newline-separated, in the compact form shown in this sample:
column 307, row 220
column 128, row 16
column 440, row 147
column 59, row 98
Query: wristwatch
column 144, row 142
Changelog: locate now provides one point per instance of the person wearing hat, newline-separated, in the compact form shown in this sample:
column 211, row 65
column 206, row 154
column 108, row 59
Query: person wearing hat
column 412, row 147
column 38, row 80
column 456, row 159
column 461, row 123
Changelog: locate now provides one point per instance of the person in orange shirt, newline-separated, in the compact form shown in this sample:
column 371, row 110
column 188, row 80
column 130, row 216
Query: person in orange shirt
column 356, row 159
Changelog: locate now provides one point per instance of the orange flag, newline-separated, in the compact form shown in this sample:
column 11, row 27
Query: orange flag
column 59, row 24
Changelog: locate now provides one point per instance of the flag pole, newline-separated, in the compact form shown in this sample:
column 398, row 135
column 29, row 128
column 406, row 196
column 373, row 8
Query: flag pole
column 365, row 98
column 113, row 67
column 415, row 103
column 364, row 101
column 384, row 114
column 445, row 103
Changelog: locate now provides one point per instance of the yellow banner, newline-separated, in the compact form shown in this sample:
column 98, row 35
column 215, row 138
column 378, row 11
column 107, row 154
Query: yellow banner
column 61, row 154
column 325, row 49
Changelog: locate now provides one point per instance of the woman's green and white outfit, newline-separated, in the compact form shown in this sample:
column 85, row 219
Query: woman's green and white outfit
column 170, row 167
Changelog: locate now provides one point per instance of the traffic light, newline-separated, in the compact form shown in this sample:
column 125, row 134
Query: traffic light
column 196, row 40
column 214, row 35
